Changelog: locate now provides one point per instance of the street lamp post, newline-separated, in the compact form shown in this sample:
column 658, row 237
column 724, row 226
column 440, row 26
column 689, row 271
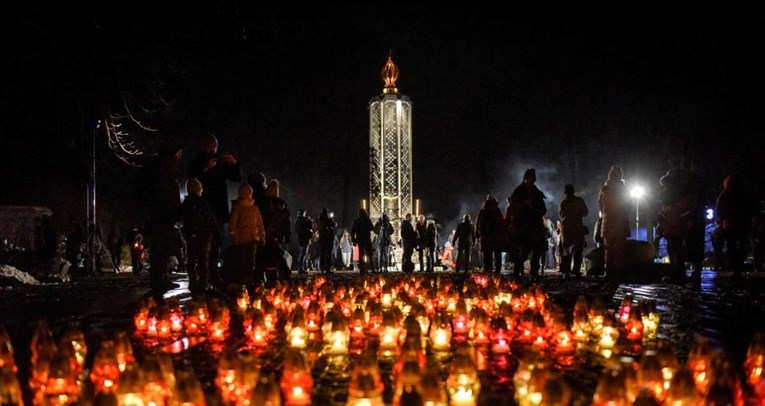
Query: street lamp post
column 637, row 192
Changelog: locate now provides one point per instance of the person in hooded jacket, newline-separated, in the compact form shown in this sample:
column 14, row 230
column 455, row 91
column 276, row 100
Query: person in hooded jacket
column 247, row 232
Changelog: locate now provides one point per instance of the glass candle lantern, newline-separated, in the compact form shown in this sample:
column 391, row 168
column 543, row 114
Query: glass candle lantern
column 440, row 333
column 500, row 336
column 625, row 308
column 296, row 383
column 366, row 386
column 130, row 388
column 650, row 377
column 754, row 364
column 699, row 359
column 188, row 389
column 463, row 383
column 106, row 369
column 61, row 387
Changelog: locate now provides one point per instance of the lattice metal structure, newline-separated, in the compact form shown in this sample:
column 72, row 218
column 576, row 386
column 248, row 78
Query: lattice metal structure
column 390, row 148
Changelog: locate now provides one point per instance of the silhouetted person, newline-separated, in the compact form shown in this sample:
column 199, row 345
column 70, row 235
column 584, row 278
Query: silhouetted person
column 199, row 229
column 430, row 242
column 572, row 232
column 489, row 227
column 527, row 207
column 421, row 229
column 325, row 225
column 213, row 170
column 695, row 241
column 384, row 231
column 276, row 220
column 164, row 213
column 361, row 236
column 464, row 239
column 259, row 184
column 303, row 232
column 681, row 221
column 733, row 217
column 613, row 202
column 409, row 243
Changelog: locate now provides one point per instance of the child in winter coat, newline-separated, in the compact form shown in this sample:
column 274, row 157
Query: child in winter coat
column 247, row 232
column 199, row 228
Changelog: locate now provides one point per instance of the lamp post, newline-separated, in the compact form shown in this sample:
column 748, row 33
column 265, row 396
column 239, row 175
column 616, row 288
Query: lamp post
column 637, row 192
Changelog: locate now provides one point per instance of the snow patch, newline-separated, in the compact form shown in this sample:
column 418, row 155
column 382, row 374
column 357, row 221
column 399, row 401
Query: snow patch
column 7, row 271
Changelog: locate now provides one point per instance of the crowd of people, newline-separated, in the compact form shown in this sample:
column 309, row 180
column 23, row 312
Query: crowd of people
column 251, row 238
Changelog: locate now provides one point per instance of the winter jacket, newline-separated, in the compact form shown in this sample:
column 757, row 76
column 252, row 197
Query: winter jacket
column 527, row 206
column 431, row 235
column 303, row 230
column 384, row 230
column 214, row 182
column 326, row 228
column 276, row 219
column 246, row 224
column 464, row 235
column 572, row 230
column 198, row 218
column 408, row 235
column 361, row 231
column 489, row 226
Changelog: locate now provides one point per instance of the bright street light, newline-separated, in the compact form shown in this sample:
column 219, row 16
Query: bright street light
column 637, row 192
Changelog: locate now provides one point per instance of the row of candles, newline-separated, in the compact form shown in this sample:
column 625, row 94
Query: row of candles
column 484, row 311
column 377, row 319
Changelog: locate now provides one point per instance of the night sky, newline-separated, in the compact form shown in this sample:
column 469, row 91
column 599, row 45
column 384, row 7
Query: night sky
column 494, row 92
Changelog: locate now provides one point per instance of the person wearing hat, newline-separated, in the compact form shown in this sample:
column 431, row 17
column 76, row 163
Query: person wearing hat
column 613, row 203
column 572, row 232
column 199, row 228
column 527, row 209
